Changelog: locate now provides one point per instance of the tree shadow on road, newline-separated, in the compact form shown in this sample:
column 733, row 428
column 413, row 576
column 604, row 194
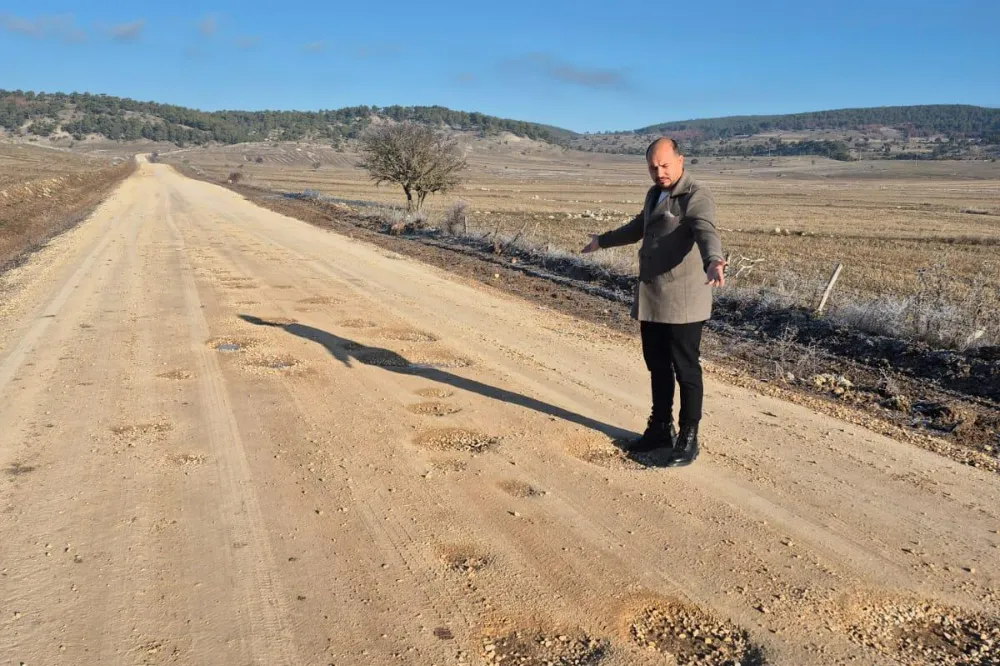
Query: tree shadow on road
column 349, row 351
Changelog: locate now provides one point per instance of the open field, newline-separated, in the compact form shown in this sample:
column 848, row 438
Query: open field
column 903, row 230
column 45, row 191
column 21, row 163
column 299, row 447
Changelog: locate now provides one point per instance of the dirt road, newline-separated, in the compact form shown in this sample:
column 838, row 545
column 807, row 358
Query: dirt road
column 228, row 437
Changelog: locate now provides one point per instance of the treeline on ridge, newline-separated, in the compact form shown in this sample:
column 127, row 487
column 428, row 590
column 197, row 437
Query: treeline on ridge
column 116, row 118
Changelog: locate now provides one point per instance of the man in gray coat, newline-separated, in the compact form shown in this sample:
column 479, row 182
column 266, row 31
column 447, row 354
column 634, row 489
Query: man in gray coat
column 680, row 260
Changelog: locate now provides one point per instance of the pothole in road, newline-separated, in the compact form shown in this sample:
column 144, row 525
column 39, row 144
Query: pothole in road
column 434, row 408
column 599, row 450
column 229, row 344
column 383, row 358
column 464, row 559
column 282, row 321
column 456, row 439
column 438, row 360
column 692, row 636
column 406, row 335
column 137, row 432
column 537, row 648
column 276, row 362
column 238, row 283
column 187, row 459
column 357, row 323
column 448, row 465
column 516, row 488
column 175, row 374
column 926, row 634
column 320, row 300
column 434, row 393
column 19, row 469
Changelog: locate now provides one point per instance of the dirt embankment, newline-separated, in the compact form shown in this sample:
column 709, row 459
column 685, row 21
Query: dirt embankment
column 899, row 394
column 33, row 212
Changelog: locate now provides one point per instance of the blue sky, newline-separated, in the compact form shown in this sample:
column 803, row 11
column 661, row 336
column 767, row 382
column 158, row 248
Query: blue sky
column 586, row 66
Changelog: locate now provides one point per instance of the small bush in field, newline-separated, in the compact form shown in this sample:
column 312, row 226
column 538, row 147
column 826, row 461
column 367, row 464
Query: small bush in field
column 456, row 220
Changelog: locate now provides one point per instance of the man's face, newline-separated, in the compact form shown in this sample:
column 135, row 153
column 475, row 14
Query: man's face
column 665, row 166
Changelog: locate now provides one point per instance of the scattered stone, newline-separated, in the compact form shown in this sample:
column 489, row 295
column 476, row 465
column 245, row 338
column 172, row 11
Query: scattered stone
column 518, row 489
column 135, row 432
column 692, row 636
column 925, row 634
column 406, row 335
column 539, row 649
column 464, row 559
column 175, row 374
column 455, row 439
column 434, row 408
column 435, row 393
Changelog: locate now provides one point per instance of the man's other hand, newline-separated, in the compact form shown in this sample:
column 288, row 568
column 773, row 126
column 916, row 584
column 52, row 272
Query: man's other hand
column 716, row 273
column 592, row 246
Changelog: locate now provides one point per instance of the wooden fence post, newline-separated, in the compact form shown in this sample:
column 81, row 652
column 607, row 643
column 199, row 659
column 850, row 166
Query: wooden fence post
column 829, row 288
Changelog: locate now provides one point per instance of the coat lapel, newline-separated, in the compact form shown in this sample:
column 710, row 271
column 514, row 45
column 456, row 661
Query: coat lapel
column 680, row 187
column 662, row 205
column 651, row 206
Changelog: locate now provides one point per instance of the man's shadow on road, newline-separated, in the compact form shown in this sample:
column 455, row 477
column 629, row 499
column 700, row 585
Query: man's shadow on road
column 348, row 351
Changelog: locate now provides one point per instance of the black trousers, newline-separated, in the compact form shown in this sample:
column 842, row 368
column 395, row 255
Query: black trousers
column 672, row 352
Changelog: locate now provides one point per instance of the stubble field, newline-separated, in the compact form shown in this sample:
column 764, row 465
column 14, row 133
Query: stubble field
column 45, row 191
column 920, row 236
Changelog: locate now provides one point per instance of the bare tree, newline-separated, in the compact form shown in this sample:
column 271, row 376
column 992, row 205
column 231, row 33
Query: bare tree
column 413, row 156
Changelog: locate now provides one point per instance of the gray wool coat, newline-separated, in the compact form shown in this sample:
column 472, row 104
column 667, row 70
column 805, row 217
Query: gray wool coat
column 679, row 240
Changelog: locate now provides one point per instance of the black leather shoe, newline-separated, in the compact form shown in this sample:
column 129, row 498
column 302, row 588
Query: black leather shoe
column 686, row 448
column 658, row 435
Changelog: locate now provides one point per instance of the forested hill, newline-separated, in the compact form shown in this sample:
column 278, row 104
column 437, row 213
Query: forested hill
column 939, row 131
column 926, row 132
column 956, row 120
column 82, row 115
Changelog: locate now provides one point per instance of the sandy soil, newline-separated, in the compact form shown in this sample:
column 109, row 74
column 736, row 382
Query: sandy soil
column 229, row 437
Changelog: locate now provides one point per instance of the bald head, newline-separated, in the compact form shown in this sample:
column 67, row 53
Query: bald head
column 666, row 164
column 659, row 143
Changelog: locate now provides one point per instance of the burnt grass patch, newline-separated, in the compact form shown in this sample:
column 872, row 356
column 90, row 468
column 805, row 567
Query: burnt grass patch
column 949, row 394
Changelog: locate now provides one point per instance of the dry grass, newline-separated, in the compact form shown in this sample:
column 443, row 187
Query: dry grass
column 20, row 163
column 44, row 192
column 909, row 234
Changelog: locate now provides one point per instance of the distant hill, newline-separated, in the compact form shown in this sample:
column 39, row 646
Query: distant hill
column 902, row 132
column 82, row 115
column 970, row 122
column 909, row 132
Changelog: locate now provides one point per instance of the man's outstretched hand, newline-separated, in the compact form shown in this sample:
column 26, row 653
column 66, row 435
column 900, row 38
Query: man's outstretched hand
column 592, row 246
column 716, row 273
